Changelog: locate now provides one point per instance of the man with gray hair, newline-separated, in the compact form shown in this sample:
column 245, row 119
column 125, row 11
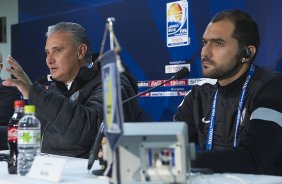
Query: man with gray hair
column 7, row 97
column 70, row 110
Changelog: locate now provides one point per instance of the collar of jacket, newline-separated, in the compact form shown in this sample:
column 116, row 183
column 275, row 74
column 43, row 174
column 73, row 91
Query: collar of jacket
column 85, row 74
column 234, row 87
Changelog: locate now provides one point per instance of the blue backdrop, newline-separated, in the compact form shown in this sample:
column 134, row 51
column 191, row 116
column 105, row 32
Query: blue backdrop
column 141, row 29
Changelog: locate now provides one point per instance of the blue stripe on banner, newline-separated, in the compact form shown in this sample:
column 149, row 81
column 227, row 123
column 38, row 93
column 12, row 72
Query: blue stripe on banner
column 267, row 115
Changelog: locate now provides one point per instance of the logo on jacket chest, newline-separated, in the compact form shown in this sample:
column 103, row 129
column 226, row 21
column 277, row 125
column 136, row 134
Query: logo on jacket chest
column 205, row 121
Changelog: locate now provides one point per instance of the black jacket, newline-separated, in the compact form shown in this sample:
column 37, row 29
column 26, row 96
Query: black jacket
column 259, row 147
column 70, row 118
column 7, row 97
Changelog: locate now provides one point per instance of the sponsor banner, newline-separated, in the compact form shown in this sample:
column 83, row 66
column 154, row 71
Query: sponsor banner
column 159, row 93
column 175, row 68
column 177, row 89
column 170, row 93
column 183, row 82
column 146, row 94
column 143, row 84
column 200, row 81
column 182, row 93
column 154, row 83
column 165, row 93
column 177, row 28
column 177, row 62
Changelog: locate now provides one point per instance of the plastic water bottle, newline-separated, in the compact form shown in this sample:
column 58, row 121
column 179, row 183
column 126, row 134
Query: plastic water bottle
column 13, row 135
column 28, row 139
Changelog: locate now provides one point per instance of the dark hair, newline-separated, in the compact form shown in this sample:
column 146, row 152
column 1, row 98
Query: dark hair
column 76, row 32
column 246, row 29
column 127, row 73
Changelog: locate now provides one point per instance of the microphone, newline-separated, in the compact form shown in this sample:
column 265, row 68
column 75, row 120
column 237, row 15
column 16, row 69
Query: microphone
column 96, row 146
column 44, row 79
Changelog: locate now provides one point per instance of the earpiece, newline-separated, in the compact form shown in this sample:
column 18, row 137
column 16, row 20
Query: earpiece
column 246, row 53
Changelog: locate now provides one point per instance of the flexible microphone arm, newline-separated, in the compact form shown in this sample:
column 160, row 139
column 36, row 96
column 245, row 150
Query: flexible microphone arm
column 96, row 146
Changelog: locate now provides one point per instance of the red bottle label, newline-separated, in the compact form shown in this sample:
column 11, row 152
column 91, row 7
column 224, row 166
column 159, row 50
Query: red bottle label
column 12, row 134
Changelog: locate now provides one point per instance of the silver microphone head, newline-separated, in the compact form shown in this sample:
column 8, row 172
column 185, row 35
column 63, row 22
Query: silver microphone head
column 111, row 20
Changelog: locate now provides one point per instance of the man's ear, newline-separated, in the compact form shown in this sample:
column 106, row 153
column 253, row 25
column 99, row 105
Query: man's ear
column 82, row 49
column 248, row 53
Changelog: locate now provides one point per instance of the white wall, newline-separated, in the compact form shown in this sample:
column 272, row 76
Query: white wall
column 9, row 9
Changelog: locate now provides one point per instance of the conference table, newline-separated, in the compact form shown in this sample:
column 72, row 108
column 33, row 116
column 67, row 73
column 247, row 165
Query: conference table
column 75, row 171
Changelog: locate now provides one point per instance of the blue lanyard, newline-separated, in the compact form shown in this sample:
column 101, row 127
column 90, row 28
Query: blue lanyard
column 239, row 111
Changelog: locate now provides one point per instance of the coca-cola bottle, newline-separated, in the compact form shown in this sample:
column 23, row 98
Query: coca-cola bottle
column 13, row 135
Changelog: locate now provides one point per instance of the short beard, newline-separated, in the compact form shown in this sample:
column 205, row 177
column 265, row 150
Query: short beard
column 225, row 73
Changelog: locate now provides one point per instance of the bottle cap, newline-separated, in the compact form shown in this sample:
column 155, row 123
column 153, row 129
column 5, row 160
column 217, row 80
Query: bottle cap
column 29, row 109
column 19, row 103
